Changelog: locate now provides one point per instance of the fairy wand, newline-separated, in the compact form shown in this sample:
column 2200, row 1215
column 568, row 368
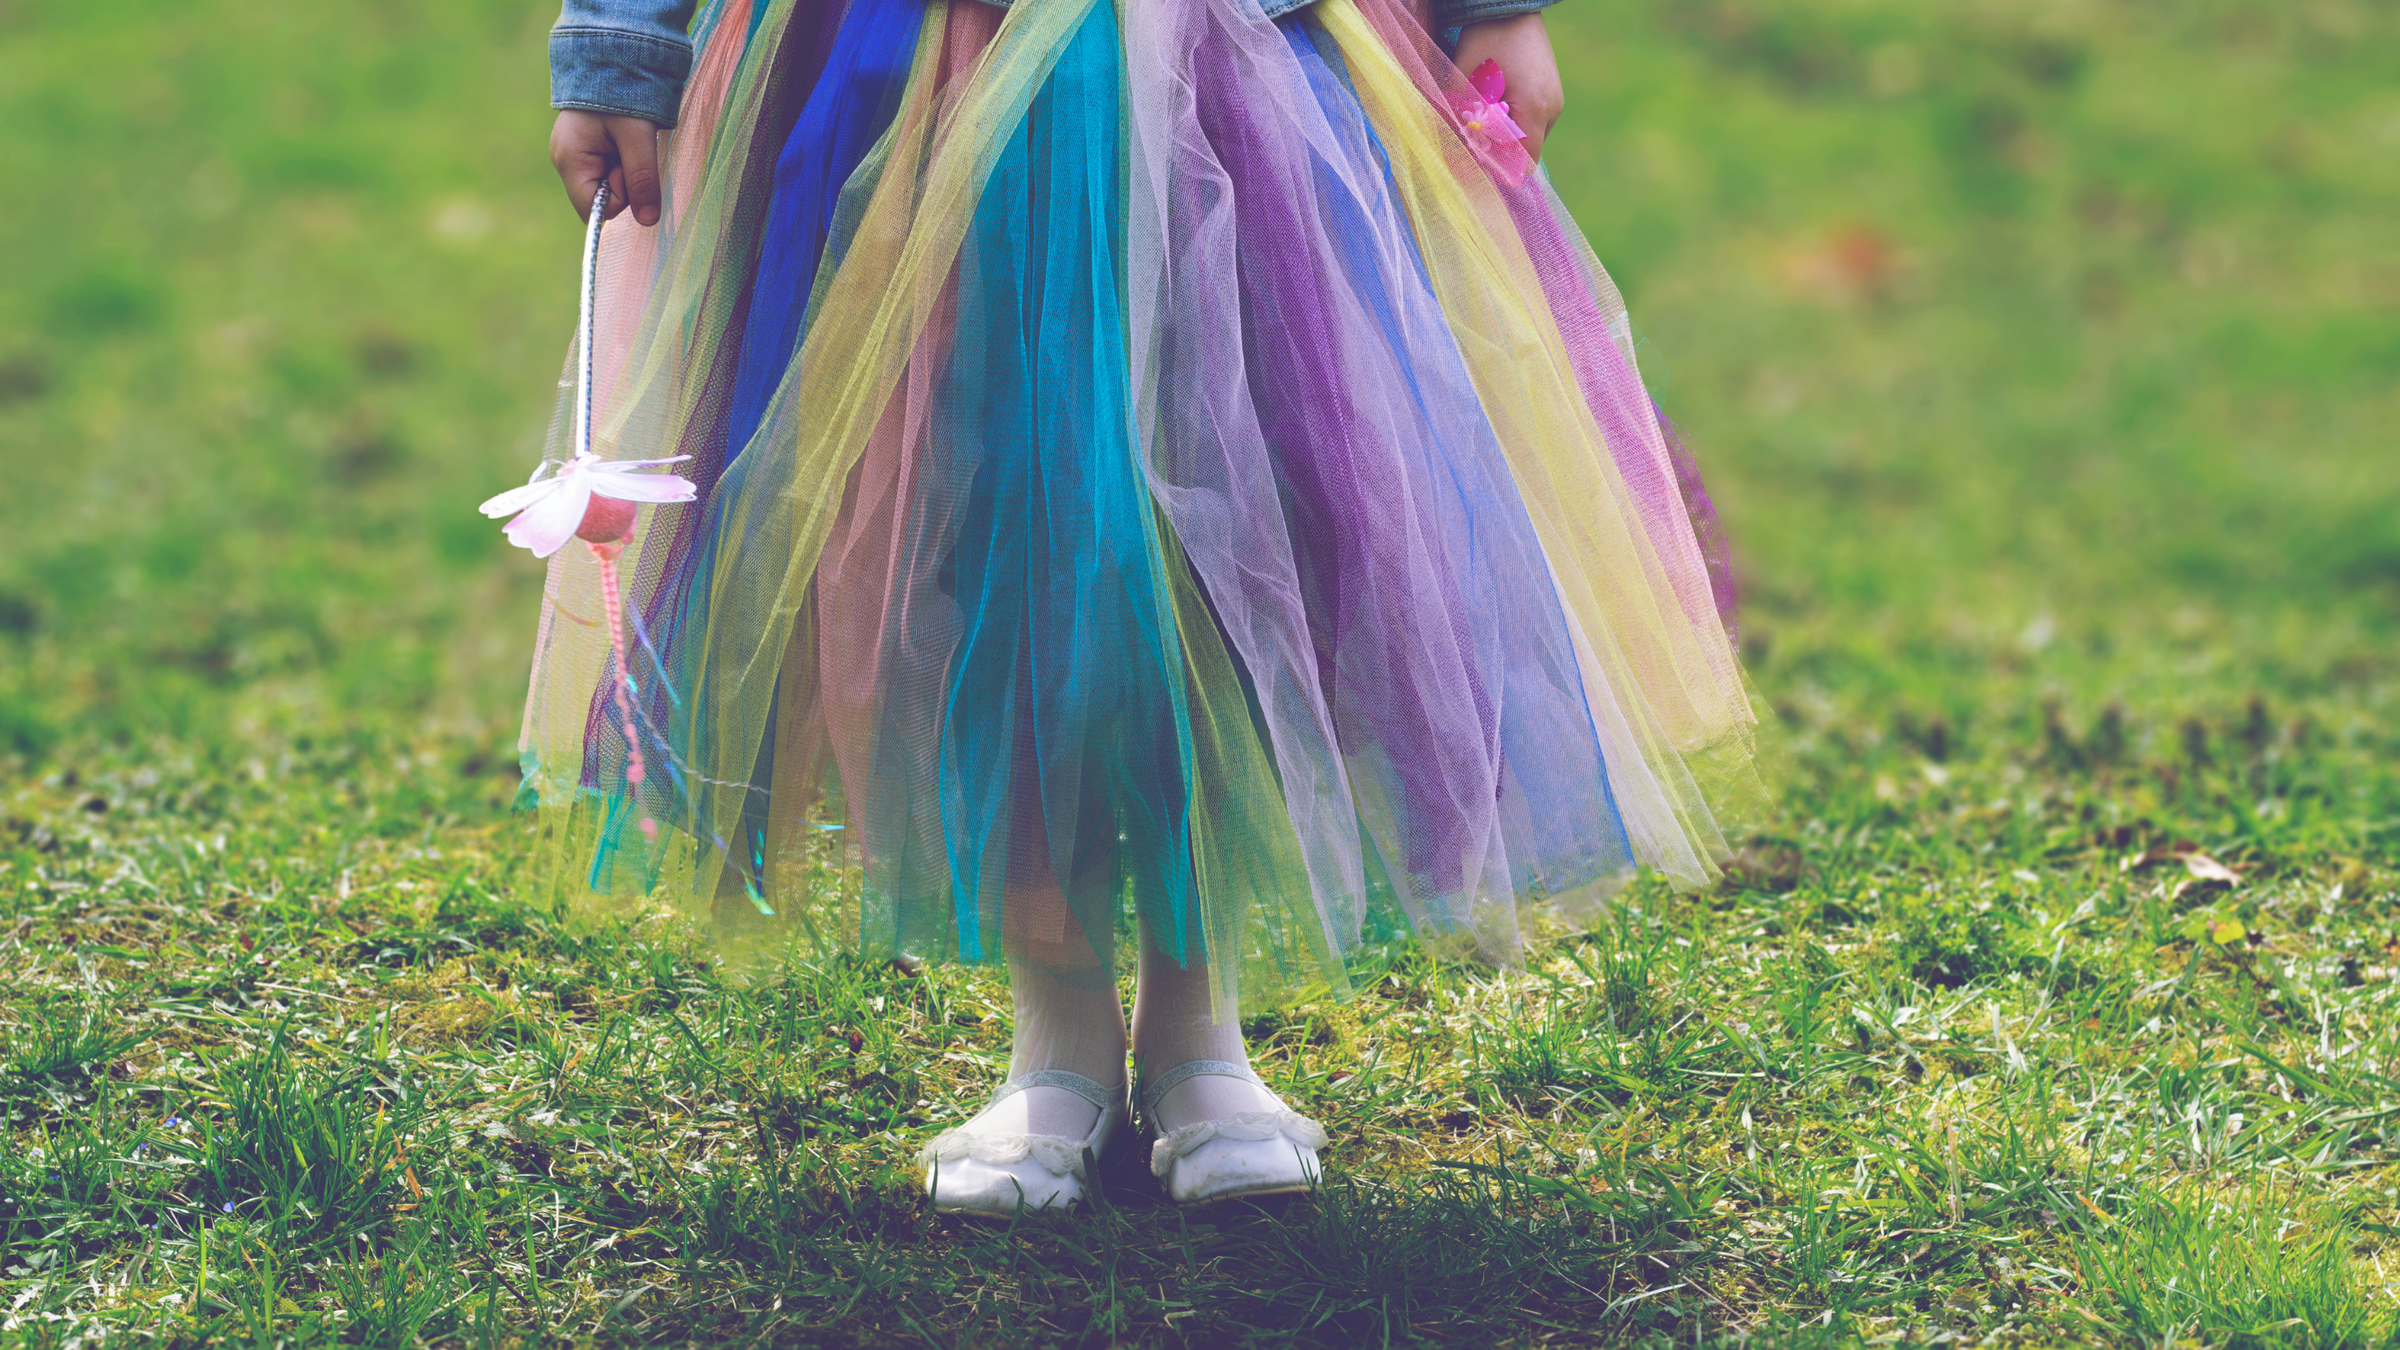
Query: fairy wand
column 593, row 500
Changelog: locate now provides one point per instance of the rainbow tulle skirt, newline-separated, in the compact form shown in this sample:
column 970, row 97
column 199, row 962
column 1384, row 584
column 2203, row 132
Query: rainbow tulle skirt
column 1153, row 461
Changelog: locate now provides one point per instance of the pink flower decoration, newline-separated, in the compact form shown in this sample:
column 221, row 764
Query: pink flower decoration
column 1484, row 113
column 550, row 511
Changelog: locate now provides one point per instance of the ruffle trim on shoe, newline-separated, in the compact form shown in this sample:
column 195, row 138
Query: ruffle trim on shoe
column 1251, row 1127
column 1059, row 1157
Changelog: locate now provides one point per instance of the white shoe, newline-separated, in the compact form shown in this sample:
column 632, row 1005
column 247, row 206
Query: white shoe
column 1249, row 1153
column 971, row 1170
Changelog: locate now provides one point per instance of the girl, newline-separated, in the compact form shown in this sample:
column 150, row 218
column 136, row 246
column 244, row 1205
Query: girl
column 1169, row 466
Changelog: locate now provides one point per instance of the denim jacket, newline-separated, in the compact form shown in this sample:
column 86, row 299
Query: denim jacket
column 631, row 56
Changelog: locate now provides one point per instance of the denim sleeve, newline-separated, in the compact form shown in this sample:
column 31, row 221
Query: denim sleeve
column 1454, row 14
column 622, row 56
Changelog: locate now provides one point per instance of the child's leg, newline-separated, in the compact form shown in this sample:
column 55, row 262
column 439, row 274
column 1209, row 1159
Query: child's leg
column 1026, row 1149
column 1068, row 1015
column 1174, row 1024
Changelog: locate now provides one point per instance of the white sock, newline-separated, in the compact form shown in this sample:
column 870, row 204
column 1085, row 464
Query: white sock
column 1174, row 1023
column 1068, row 1017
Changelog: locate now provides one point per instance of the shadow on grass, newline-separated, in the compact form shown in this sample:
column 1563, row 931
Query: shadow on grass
column 1472, row 1254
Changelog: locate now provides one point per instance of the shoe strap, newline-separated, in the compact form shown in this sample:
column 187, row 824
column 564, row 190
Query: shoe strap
column 1059, row 1078
column 1156, row 1089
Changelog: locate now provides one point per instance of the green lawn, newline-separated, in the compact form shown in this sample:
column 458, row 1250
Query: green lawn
column 2044, row 355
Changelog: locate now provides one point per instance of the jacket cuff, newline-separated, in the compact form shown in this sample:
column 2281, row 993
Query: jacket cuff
column 1451, row 14
column 608, row 70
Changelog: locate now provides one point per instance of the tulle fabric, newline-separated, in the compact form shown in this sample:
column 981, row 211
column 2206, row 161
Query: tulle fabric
column 1676, row 722
column 1153, row 463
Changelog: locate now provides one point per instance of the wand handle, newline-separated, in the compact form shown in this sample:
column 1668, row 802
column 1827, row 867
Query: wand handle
column 583, row 324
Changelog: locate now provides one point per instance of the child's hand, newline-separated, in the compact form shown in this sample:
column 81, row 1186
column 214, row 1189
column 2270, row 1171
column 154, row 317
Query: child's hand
column 1522, row 47
column 588, row 146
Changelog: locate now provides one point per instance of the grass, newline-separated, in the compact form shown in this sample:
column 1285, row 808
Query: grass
column 2042, row 358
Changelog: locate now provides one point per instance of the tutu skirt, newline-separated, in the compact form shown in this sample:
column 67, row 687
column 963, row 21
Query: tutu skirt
column 1154, row 461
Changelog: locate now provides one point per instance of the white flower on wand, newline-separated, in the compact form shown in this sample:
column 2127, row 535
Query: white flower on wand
column 588, row 498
